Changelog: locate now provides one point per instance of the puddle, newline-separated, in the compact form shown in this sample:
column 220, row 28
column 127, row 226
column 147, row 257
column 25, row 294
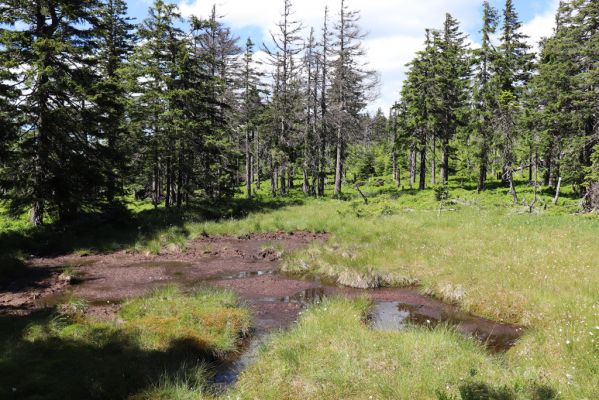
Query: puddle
column 162, row 264
column 58, row 298
column 229, row 370
column 241, row 275
column 388, row 316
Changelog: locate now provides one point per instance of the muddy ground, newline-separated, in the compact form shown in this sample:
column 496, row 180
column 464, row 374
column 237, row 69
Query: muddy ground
column 247, row 265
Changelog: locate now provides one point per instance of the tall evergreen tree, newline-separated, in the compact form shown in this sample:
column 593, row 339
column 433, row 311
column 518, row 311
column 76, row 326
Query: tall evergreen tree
column 324, row 130
column 156, row 71
column 452, row 72
column 483, row 92
column 287, row 45
column 56, row 163
column 512, row 71
column 251, row 108
column 420, row 103
column 115, row 44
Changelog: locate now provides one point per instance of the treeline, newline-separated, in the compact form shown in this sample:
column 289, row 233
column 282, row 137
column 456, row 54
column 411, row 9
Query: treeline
column 93, row 107
column 498, row 109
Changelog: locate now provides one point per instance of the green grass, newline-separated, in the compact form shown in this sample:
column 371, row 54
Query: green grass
column 494, row 259
column 332, row 354
column 210, row 319
column 167, row 338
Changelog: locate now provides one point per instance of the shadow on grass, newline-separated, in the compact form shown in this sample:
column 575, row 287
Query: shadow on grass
column 103, row 363
column 119, row 228
column 484, row 391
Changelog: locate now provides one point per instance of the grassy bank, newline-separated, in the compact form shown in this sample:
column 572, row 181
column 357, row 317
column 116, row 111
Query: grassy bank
column 332, row 354
column 166, row 337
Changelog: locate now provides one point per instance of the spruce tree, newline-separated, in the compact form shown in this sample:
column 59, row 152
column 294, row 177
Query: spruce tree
column 56, row 160
column 483, row 93
column 115, row 44
column 251, row 108
column 512, row 71
column 155, row 72
column 287, row 45
column 324, row 127
column 452, row 72
column 421, row 102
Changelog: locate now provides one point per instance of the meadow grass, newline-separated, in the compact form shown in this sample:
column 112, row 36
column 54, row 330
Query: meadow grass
column 478, row 250
column 333, row 354
column 499, row 261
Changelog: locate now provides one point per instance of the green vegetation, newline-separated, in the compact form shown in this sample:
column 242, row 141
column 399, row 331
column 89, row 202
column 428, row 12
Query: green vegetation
column 332, row 354
column 500, row 143
column 161, row 338
column 210, row 319
column 474, row 249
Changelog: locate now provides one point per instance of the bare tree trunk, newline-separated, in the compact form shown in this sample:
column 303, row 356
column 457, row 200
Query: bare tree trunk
column 412, row 166
column 180, row 180
column 445, row 163
column 483, row 168
column 283, row 180
column 529, row 167
column 248, row 165
column 422, row 184
column 361, row 194
column 394, row 166
column 306, row 181
column 323, row 105
column 557, row 190
column 510, row 178
column 322, row 164
column 273, row 177
column 290, row 176
column 434, row 160
column 256, row 158
column 156, row 184
column 535, row 183
column 338, row 163
column 167, row 201
column 41, row 156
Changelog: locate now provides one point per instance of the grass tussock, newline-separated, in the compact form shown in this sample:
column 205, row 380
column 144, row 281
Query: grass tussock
column 209, row 319
column 158, row 347
column 332, row 354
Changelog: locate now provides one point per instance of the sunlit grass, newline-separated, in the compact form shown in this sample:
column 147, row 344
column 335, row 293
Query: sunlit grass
column 494, row 260
column 332, row 354
column 539, row 269
column 210, row 319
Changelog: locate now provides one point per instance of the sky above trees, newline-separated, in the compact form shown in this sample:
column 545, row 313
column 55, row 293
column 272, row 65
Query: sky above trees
column 395, row 27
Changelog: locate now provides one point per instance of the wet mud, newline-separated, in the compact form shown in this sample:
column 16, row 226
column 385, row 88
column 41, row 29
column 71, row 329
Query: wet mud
column 247, row 265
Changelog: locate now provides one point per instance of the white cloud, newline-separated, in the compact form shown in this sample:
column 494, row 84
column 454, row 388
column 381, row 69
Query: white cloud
column 541, row 25
column 395, row 27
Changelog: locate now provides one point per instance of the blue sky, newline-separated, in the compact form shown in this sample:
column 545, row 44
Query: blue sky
column 395, row 27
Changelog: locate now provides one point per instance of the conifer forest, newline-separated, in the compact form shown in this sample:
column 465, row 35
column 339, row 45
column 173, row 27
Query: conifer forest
column 191, row 211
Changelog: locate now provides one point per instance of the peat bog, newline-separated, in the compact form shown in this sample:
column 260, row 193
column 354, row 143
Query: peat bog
column 248, row 266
